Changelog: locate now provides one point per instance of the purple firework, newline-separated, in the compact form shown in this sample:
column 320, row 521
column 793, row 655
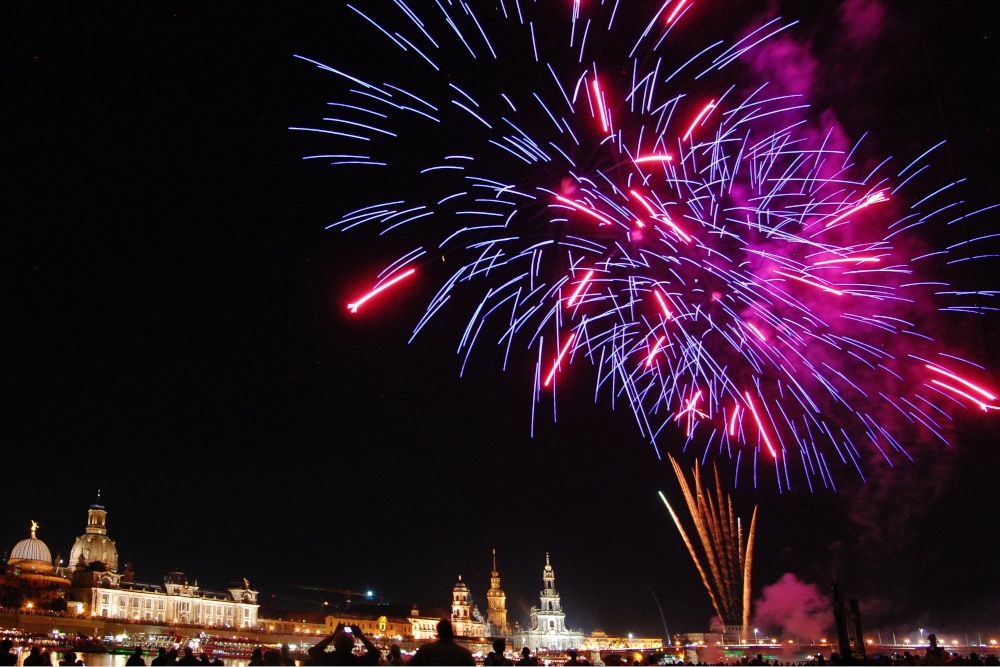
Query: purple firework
column 603, row 195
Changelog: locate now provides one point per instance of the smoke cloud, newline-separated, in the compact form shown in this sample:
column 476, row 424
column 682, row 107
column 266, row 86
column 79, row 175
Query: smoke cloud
column 790, row 607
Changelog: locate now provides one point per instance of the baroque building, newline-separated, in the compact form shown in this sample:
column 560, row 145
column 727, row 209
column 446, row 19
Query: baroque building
column 496, row 605
column 99, row 589
column 465, row 617
column 31, row 578
column 94, row 544
column 548, row 622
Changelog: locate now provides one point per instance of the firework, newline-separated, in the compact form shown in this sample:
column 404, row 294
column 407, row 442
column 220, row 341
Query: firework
column 727, row 559
column 715, row 255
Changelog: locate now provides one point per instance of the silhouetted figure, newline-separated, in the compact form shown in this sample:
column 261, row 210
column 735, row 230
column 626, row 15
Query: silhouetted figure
column 571, row 654
column 343, row 648
column 45, row 658
column 526, row 658
column 7, row 654
column 935, row 654
column 444, row 651
column 34, row 657
column 396, row 655
column 69, row 660
column 160, row 659
column 256, row 658
column 496, row 656
column 171, row 657
column 188, row 658
column 286, row 656
column 272, row 658
column 217, row 662
column 205, row 660
column 7, row 657
column 135, row 660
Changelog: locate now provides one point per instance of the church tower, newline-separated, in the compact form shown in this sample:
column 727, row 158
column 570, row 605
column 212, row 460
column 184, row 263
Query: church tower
column 550, row 616
column 496, row 599
column 461, row 608
column 94, row 544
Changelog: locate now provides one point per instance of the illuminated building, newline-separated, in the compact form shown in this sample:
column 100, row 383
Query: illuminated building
column 31, row 578
column 496, row 605
column 601, row 641
column 465, row 617
column 94, row 544
column 548, row 622
column 102, row 591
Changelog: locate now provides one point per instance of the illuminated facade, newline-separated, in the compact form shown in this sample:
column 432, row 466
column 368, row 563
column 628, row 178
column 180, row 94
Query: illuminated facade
column 175, row 601
column 31, row 578
column 465, row 617
column 95, row 545
column 100, row 590
column 548, row 622
column 496, row 605
column 600, row 641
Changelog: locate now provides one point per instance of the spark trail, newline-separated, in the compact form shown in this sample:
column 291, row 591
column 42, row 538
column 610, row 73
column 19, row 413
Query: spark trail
column 590, row 208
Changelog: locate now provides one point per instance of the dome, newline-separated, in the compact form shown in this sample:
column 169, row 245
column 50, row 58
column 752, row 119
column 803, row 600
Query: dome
column 175, row 578
column 94, row 547
column 30, row 549
column 32, row 553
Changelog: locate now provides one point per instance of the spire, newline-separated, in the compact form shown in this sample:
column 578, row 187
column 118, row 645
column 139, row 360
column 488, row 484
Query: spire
column 34, row 527
column 494, row 560
column 97, row 504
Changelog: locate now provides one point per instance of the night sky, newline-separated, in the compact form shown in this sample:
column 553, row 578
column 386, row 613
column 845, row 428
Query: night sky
column 174, row 333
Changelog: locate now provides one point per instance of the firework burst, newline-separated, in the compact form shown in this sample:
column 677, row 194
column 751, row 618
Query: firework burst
column 728, row 558
column 599, row 195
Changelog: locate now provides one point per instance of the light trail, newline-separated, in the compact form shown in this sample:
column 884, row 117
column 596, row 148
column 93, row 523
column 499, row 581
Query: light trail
column 760, row 425
column 353, row 307
column 579, row 288
column 974, row 387
column 810, row 282
column 872, row 199
column 583, row 209
column 558, row 361
column 699, row 118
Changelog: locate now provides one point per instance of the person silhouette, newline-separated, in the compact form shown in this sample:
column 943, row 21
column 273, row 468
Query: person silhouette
column 526, row 658
column 6, row 656
column 496, row 656
column 135, row 660
column 444, row 651
column 342, row 639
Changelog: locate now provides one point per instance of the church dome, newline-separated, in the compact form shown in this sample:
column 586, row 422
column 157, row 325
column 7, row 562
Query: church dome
column 31, row 553
column 95, row 545
column 95, row 548
column 175, row 578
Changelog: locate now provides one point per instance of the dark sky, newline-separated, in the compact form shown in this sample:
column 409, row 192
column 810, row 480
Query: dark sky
column 173, row 332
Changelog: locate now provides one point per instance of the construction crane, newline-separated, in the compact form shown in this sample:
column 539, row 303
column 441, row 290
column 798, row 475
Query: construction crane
column 367, row 595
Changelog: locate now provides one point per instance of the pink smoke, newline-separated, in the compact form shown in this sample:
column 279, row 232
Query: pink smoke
column 791, row 607
column 863, row 20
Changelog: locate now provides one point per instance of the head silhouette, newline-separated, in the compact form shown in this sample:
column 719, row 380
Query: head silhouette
column 343, row 642
column 445, row 631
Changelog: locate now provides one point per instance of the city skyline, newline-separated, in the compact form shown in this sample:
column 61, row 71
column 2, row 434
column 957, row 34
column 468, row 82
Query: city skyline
column 177, row 336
